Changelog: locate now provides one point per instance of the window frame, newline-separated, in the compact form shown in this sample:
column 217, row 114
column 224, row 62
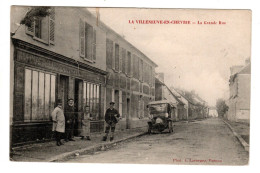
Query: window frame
column 32, row 33
column 31, row 120
column 92, row 50
column 93, row 95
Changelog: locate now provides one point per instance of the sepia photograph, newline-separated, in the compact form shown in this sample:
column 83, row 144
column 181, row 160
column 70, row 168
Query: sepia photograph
column 130, row 85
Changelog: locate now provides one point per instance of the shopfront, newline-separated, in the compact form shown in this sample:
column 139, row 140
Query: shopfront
column 40, row 78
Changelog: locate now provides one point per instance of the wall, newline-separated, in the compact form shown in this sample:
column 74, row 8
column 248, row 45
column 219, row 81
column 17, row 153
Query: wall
column 239, row 106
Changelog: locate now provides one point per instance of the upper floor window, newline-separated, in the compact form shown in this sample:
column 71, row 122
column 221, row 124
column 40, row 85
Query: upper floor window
column 109, row 53
column 123, row 60
column 129, row 64
column 43, row 28
column 87, row 41
column 116, row 57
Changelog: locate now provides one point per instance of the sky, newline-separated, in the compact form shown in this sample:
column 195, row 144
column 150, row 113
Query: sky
column 192, row 56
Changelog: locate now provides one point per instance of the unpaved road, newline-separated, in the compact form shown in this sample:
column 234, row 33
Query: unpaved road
column 207, row 142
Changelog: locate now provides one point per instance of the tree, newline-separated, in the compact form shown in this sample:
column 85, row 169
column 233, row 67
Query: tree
column 222, row 108
column 35, row 12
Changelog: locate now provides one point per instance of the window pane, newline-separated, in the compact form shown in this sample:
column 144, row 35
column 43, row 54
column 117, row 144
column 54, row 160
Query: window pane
column 28, row 94
column 38, row 27
column 35, row 95
column 41, row 97
column 53, row 85
column 47, row 96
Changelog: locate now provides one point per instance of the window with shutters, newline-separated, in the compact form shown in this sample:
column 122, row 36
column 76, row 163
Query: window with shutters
column 43, row 29
column 116, row 57
column 135, row 67
column 129, row 63
column 87, row 40
column 109, row 53
column 123, row 60
column 141, row 68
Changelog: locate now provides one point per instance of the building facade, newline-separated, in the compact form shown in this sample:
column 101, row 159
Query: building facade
column 70, row 54
column 130, row 82
column 239, row 87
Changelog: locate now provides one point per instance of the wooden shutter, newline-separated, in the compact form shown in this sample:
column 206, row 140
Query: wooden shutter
column 94, row 45
column 30, row 30
column 82, row 38
column 52, row 26
column 88, row 42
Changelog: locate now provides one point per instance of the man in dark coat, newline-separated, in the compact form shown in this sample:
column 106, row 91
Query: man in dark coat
column 70, row 120
column 111, row 117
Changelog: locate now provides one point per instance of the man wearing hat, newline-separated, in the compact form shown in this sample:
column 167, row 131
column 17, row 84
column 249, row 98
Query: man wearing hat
column 111, row 118
column 70, row 120
column 58, row 122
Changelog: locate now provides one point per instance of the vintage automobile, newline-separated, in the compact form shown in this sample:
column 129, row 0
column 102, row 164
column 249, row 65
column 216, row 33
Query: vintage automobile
column 161, row 115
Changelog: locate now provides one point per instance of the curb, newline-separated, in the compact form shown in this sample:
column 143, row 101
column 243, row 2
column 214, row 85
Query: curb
column 240, row 139
column 98, row 147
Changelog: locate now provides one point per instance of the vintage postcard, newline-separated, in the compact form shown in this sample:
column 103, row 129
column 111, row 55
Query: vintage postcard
column 130, row 85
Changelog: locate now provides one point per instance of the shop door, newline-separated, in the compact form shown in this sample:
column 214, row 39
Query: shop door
column 64, row 85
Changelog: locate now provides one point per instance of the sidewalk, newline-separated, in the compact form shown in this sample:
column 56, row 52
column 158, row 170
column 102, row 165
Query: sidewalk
column 49, row 151
column 241, row 130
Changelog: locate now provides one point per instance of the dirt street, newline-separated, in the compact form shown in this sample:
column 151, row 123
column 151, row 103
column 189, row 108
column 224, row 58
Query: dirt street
column 207, row 142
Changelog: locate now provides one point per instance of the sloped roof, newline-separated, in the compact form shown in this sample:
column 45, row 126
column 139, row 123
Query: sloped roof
column 245, row 70
column 162, row 83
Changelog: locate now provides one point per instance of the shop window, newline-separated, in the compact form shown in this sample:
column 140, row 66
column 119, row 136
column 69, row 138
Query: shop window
column 87, row 42
column 43, row 29
column 91, row 97
column 39, row 95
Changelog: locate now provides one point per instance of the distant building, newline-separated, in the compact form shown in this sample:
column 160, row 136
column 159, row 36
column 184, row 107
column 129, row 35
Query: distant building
column 239, row 87
column 213, row 112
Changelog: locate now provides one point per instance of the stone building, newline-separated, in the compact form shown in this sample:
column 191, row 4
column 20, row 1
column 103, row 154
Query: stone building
column 72, row 54
column 239, row 87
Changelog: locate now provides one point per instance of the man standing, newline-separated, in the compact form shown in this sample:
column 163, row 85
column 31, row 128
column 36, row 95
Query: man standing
column 111, row 118
column 58, row 122
column 70, row 120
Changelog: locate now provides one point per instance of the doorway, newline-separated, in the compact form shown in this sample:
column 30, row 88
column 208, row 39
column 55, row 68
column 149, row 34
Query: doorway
column 78, row 103
column 64, row 85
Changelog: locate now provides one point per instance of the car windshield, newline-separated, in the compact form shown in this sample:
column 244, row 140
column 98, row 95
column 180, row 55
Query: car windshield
column 158, row 108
